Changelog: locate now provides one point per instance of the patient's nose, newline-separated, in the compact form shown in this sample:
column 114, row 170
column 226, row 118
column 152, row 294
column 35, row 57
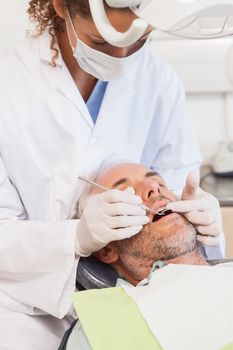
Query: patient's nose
column 149, row 189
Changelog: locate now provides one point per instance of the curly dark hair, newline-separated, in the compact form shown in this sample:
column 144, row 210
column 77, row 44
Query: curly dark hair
column 43, row 14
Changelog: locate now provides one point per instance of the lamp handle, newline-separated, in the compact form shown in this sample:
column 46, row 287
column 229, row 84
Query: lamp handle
column 110, row 34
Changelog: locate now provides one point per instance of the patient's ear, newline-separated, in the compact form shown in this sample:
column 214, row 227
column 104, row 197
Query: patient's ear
column 107, row 255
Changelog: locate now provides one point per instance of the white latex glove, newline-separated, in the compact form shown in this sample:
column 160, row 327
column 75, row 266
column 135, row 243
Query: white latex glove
column 201, row 209
column 107, row 217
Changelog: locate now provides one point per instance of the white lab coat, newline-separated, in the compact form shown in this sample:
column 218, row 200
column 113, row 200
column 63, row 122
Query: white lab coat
column 47, row 138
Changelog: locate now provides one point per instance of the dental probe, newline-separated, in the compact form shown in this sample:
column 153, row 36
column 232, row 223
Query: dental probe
column 107, row 189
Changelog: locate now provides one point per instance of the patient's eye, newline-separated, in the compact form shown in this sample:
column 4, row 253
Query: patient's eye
column 121, row 184
column 123, row 187
column 161, row 182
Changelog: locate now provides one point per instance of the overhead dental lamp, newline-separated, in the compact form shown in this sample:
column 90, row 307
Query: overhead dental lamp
column 197, row 19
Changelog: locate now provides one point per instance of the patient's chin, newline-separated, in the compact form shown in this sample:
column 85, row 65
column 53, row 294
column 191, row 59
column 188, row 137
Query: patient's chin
column 171, row 236
column 165, row 239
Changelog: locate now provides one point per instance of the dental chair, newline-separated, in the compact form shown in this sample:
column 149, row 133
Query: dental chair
column 93, row 274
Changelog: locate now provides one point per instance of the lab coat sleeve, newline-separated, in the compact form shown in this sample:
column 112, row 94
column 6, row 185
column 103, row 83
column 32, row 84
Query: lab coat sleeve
column 37, row 259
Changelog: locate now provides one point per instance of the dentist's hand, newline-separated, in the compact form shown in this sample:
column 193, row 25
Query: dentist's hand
column 201, row 209
column 107, row 217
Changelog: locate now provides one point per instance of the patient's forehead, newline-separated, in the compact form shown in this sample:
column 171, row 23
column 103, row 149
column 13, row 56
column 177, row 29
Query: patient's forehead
column 127, row 170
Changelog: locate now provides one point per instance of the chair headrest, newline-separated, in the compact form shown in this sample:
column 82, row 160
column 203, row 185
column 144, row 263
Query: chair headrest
column 93, row 274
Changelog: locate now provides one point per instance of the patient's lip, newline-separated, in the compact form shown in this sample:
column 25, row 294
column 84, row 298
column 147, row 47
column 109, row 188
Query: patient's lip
column 159, row 205
column 163, row 214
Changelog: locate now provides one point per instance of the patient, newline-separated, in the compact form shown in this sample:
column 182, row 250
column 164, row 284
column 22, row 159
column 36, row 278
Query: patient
column 171, row 239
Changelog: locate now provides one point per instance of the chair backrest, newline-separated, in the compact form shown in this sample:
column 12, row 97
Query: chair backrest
column 219, row 261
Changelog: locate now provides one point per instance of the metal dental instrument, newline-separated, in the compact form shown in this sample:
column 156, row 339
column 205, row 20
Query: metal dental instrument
column 107, row 189
column 93, row 183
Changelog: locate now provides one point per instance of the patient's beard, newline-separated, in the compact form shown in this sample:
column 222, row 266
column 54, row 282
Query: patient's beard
column 167, row 244
column 173, row 239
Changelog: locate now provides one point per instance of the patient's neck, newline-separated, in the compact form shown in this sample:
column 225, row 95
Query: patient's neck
column 191, row 258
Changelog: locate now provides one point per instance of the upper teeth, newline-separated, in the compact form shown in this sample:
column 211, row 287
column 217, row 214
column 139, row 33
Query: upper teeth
column 161, row 210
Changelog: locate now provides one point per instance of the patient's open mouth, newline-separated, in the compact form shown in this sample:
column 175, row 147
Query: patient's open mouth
column 161, row 214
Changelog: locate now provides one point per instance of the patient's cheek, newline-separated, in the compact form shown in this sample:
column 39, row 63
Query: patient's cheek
column 170, row 195
column 145, row 237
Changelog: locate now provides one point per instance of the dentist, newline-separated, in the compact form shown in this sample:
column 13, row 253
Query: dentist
column 71, row 103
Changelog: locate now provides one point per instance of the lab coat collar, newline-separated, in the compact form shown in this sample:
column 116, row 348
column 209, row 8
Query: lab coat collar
column 62, row 76
column 46, row 53
column 68, row 88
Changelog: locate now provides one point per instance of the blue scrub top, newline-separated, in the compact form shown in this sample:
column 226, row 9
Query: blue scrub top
column 95, row 100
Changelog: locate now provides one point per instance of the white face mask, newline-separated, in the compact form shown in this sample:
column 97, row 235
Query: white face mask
column 100, row 65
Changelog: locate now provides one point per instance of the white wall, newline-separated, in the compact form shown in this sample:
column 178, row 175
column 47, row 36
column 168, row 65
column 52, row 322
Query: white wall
column 206, row 69
column 207, row 110
column 13, row 22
